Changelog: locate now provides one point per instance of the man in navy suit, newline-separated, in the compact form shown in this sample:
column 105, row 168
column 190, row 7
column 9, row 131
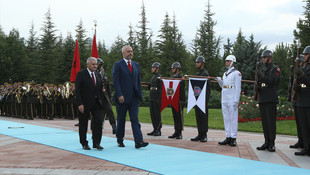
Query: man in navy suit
column 88, row 90
column 127, row 94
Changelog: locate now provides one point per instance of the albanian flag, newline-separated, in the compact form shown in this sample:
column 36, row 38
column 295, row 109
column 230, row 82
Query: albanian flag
column 76, row 66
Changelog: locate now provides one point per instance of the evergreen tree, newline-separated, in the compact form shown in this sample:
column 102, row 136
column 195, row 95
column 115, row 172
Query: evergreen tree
column 65, row 64
column 32, row 54
column 16, row 51
column 143, row 55
column 132, row 39
column 207, row 44
column 228, row 49
column 303, row 27
column 115, row 54
column 84, row 44
column 5, row 60
column 47, row 46
column 246, row 52
column 282, row 59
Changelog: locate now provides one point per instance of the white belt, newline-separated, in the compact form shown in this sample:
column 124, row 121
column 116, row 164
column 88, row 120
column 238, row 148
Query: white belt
column 228, row 87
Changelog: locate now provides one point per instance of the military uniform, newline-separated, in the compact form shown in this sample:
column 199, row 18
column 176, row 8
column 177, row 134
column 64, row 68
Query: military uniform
column 231, row 90
column 108, row 112
column 201, row 117
column 268, row 100
column 303, row 107
column 155, row 104
column 178, row 116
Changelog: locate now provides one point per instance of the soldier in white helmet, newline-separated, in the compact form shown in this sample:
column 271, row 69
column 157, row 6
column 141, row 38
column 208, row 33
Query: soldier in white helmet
column 231, row 90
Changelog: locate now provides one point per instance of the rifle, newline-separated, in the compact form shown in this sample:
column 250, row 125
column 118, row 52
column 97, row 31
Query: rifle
column 256, row 85
column 296, row 77
column 291, row 78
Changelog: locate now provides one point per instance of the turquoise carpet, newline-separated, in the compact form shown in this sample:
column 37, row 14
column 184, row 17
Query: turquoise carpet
column 154, row 158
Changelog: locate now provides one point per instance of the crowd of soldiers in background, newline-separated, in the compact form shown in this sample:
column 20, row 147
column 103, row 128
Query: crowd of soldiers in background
column 29, row 100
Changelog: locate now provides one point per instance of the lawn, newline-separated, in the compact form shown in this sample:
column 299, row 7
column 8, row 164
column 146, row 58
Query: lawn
column 286, row 127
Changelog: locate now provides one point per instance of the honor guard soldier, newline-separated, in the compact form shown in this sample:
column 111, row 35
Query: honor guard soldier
column 201, row 117
column 178, row 116
column 155, row 100
column 108, row 112
column 231, row 90
column 303, row 101
column 269, row 78
column 300, row 142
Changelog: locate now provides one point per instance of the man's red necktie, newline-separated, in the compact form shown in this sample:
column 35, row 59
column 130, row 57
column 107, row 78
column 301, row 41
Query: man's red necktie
column 129, row 66
column 92, row 76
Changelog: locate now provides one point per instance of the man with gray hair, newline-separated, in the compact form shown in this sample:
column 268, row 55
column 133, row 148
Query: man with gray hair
column 88, row 90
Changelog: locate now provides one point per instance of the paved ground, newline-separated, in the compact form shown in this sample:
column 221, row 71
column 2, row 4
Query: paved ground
column 24, row 157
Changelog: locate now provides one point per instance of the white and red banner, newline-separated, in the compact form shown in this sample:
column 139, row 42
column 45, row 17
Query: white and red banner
column 170, row 94
column 197, row 93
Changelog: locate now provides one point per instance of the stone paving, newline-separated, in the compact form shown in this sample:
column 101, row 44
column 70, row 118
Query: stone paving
column 23, row 157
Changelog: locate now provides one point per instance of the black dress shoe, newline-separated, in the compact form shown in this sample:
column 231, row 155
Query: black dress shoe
column 157, row 133
column 203, row 139
column 98, row 147
column 226, row 141
column 233, row 142
column 141, row 144
column 196, row 138
column 172, row 136
column 86, row 147
column 78, row 124
column 297, row 145
column 271, row 148
column 263, row 147
column 151, row 133
column 120, row 144
column 179, row 136
column 302, row 153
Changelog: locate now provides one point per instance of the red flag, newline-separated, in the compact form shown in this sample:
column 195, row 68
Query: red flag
column 76, row 66
column 94, row 51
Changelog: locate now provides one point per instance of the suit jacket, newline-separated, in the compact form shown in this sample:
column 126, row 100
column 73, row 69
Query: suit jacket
column 85, row 91
column 125, row 83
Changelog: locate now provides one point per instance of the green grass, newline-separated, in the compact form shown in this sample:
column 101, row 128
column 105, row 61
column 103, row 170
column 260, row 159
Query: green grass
column 286, row 127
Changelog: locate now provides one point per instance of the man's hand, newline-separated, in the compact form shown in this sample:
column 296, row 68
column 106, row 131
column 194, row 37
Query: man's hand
column 121, row 99
column 81, row 108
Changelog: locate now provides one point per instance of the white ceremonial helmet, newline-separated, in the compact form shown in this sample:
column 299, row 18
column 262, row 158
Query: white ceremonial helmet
column 231, row 58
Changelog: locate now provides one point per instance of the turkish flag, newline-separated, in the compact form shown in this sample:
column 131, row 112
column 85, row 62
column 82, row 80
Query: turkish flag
column 170, row 94
column 94, row 51
column 76, row 66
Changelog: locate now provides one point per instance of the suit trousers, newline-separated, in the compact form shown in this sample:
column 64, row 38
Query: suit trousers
column 96, row 124
column 268, row 113
column 155, row 115
column 230, row 116
column 304, row 121
column 133, row 109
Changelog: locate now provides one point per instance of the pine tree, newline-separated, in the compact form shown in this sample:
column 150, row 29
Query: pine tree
column 84, row 44
column 207, row 44
column 303, row 27
column 32, row 54
column 142, row 55
column 65, row 63
column 282, row 59
column 5, row 60
column 16, row 51
column 47, row 46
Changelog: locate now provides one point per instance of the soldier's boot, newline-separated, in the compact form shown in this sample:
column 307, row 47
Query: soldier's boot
column 198, row 137
column 203, row 137
column 226, row 141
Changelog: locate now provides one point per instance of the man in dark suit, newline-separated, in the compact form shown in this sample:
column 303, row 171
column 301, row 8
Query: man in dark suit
column 127, row 94
column 88, row 90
